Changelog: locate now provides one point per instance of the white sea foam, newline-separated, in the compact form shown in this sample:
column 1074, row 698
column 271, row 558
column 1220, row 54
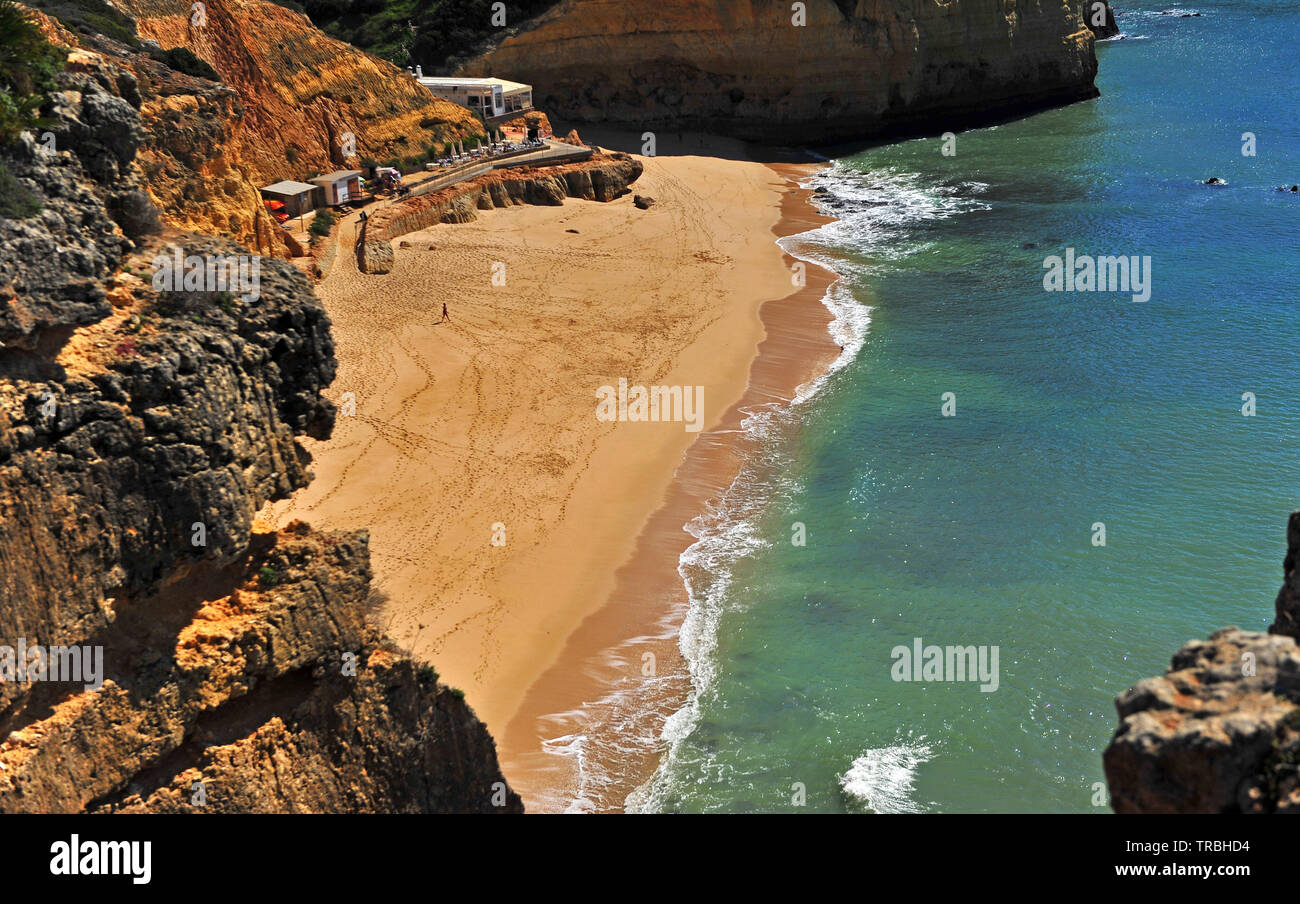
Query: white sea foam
column 589, row 744
column 874, row 213
column 882, row 780
column 1131, row 17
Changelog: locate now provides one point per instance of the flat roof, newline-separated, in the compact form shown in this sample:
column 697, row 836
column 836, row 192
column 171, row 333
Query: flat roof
column 337, row 176
column 288, row 187
column 450, row 82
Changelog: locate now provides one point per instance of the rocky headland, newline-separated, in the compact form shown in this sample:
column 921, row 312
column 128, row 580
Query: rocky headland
column 1219, row 732
column 762, row 70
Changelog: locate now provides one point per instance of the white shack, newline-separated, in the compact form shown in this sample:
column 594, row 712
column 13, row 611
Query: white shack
column 339, row 187
column 488, row 96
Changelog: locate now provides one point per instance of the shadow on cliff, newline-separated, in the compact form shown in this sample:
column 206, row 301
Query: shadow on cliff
column 674, row 143
column 671, row 143
column 132, row 643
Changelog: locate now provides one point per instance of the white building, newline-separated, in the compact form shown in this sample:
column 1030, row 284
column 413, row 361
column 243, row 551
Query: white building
column 489, row 96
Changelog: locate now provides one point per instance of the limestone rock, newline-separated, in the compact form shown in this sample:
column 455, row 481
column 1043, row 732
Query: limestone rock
column 1287, row 605
column 1220, row 731
column 1100, row 18
column 745, row 67
column 291, row 101
column 602, row 178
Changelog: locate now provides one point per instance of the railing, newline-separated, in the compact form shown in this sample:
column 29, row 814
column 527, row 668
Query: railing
column 452, row 176
column 471, row 168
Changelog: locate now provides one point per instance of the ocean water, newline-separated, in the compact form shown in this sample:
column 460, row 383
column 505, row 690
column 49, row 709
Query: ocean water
column 1072, row 409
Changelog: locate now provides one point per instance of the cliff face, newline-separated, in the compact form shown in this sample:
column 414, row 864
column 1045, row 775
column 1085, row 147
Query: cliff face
column 856, row 68
column 139, row 431
column 288, row 100
column 1100, row 18
column 190, row 169
column 234, row 693
column 302, row 90
column 1220, row 731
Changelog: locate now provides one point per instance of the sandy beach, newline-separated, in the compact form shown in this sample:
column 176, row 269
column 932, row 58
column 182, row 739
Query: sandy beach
column 514, row 535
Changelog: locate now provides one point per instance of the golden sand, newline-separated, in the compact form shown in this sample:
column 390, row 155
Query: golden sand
column 513, row 534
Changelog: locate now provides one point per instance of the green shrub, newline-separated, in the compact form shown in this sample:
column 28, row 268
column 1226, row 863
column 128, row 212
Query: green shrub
column 322, row 223
column 407, row 32
column 182, row 59
column 91, row 17
column 28, row 65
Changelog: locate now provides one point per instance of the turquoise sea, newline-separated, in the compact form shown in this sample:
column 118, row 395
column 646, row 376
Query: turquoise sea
column 1071, row 409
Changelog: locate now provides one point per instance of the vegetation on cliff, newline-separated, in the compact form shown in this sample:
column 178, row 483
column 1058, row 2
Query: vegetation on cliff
column 28, row 64
column 91, row 17
column 428, row 33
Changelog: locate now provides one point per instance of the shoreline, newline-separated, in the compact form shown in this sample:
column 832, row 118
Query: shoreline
column 605, row 657
column 488, row 420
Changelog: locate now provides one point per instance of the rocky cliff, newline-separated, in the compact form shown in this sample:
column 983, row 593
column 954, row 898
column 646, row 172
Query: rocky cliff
column 302, row 91
column 141, row 427
column 1220, row 731
column 291, row 102
column 752, row 68
column 1100, row 18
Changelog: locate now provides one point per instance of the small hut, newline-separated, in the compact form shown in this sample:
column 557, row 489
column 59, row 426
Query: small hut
column 339, row 187
column 297, row 197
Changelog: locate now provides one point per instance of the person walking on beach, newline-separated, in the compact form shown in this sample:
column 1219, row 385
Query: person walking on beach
column 445, row 316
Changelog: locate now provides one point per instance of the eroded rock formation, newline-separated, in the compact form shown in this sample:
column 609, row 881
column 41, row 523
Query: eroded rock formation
column 301, row 90
column 854, row 68
column 1220, row 731
column 602, row 178
column 254, row 688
